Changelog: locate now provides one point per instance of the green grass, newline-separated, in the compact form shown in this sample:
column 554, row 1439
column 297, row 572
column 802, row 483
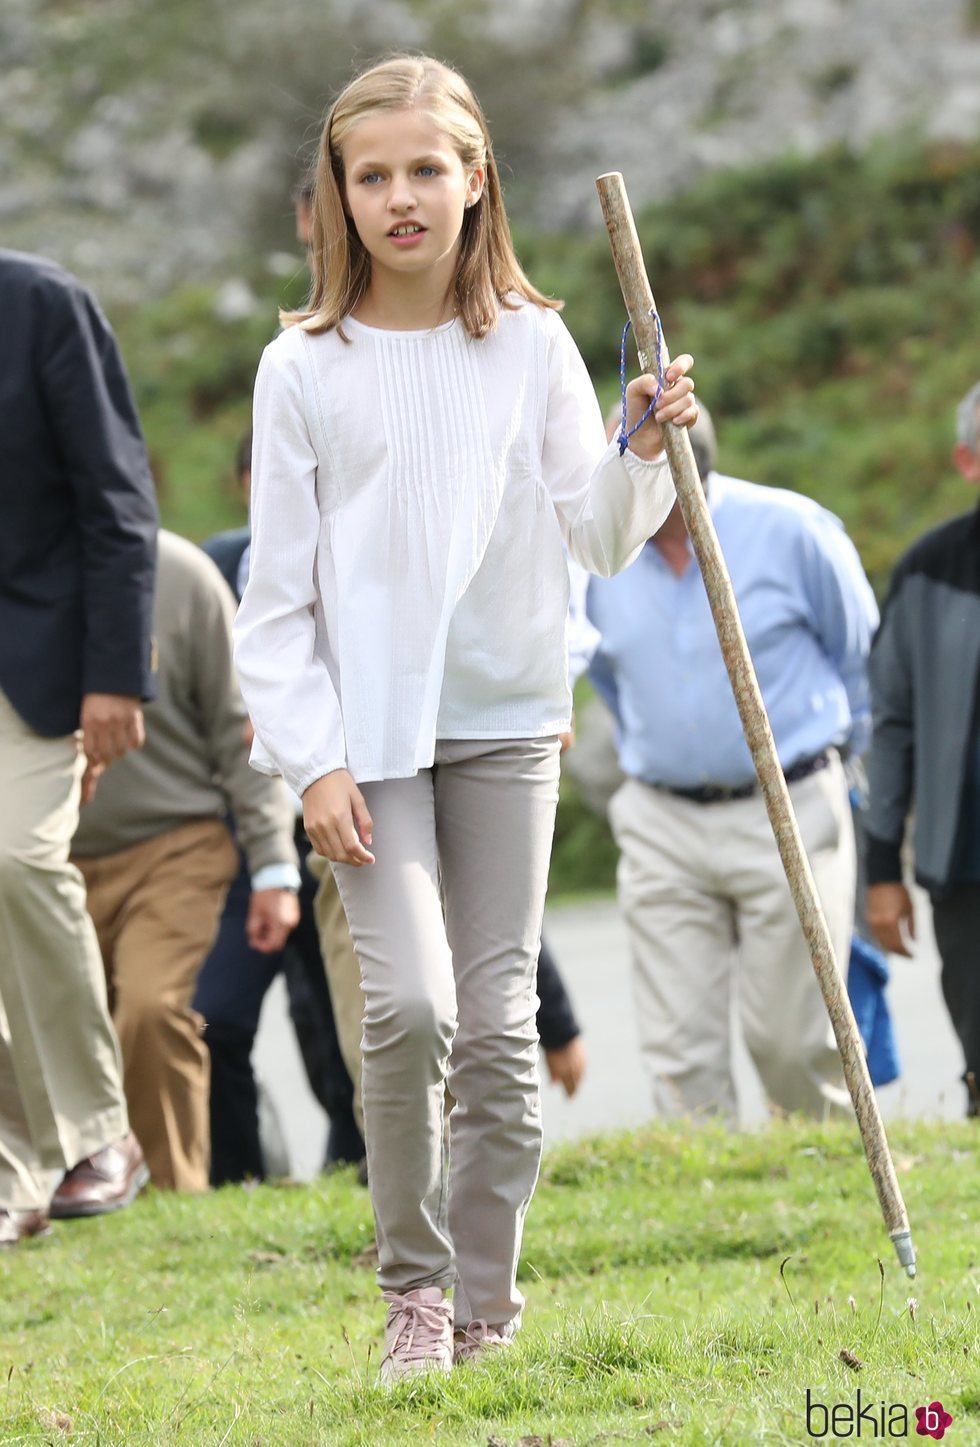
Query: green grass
column 656, row 1306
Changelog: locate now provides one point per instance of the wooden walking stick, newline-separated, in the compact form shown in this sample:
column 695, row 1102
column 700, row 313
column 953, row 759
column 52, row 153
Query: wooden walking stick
column 641, row 307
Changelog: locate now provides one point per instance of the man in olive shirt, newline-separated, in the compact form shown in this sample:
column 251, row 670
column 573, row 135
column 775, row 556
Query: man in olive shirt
column 157, row 858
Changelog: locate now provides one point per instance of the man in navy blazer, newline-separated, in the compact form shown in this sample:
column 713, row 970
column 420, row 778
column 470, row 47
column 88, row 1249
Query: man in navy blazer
column 78, row 522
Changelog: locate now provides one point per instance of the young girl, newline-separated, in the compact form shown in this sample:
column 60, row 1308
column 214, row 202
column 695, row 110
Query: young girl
column 426, row 436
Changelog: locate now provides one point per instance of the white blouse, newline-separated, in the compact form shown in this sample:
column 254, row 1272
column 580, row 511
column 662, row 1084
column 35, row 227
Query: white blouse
column 410, row 495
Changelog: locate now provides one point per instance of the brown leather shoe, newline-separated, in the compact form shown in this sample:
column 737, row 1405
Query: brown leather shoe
column 106, row 1181
column 16, row 1226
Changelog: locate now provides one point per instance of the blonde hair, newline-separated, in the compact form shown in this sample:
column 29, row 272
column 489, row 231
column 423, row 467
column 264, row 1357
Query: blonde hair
column 488, row 269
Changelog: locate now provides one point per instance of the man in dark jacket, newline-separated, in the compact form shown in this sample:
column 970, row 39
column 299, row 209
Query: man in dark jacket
column 925, row 757
column 78, row 526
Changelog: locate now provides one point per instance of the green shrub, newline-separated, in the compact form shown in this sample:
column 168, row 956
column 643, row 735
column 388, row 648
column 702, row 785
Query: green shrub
column 830, row 303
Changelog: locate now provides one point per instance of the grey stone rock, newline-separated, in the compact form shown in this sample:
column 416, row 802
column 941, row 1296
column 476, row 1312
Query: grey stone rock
column 146, row 162
column 235, row 300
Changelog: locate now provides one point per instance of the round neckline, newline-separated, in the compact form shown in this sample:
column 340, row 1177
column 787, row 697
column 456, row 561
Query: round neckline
column 398, row 331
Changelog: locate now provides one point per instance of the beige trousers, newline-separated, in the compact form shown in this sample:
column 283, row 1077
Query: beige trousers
column 156, row 908
column 61, row 1093
column 447, row 928
column 709, row 912
column 343, row 974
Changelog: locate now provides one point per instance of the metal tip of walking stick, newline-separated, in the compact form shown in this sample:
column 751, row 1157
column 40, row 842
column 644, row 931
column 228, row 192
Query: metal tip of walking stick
column 905, row 1250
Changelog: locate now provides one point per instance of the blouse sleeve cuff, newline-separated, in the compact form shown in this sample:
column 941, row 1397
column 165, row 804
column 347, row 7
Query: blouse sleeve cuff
column 643, row 469
column 300, row 782
column 298, row 778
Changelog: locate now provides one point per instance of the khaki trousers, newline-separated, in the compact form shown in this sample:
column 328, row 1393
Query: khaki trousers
column 447, row 928
column 156, row 907
column 709, row 912
column 343, row 974
column 61, row 1094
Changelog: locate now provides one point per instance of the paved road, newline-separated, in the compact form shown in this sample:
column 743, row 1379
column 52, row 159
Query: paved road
column 589, row 941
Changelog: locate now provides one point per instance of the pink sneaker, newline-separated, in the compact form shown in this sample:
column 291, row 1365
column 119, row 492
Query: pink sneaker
column 418, row 1334
column 478, row 1337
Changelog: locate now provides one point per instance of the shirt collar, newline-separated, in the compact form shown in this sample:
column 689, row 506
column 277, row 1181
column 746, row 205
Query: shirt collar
column 717, row 490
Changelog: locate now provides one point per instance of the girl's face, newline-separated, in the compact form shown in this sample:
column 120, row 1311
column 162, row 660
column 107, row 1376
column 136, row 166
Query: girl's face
column 407, row 191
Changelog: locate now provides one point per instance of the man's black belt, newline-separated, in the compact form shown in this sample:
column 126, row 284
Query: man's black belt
column 722, row 794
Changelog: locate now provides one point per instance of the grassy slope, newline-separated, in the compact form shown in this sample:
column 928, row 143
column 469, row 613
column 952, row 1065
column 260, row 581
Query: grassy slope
column 652, row 1270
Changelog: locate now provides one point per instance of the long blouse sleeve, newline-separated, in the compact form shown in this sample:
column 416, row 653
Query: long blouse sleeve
column 288, row 690
column 606, row 511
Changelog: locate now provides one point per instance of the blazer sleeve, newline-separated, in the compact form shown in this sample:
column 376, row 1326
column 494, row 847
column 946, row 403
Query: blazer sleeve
column 93, row 419
column 891, row 762
column 557, row 1025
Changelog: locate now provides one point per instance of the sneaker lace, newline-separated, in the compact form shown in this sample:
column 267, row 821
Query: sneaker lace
column 475, row 1337
column 419, row 1326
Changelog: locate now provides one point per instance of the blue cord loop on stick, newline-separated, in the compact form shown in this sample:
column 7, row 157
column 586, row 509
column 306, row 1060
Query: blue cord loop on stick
column 624, row 436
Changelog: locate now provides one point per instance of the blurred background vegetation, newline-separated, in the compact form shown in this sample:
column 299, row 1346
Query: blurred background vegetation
column 832, row 313
column 831, row 305
column 806, row 181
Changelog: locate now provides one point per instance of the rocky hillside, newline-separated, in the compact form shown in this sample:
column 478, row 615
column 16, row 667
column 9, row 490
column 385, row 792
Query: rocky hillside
column 151, row 143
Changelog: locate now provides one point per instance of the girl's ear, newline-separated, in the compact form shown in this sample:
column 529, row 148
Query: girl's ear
column 474, row 185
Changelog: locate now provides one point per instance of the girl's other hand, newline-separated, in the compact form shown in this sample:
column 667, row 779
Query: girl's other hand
column 336, row 819
column 676, row 405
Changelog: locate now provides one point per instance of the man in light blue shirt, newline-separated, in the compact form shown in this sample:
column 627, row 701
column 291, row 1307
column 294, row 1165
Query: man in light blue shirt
column 700, row 878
